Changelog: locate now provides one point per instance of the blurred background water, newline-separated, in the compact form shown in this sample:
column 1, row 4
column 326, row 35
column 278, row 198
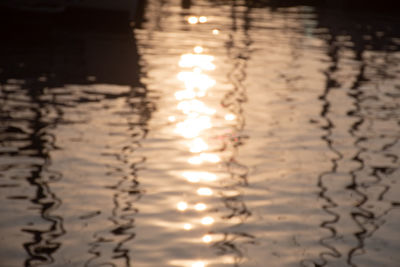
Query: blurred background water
column 209, row 133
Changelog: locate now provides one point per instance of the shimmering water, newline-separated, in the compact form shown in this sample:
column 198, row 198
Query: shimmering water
column 247, row 135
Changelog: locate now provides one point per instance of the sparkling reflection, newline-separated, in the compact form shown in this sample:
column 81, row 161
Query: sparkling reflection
column 204, row 191
column 182, row 206
column 199, row 264
column 207, row 238
column 200, row 206
column 207, row 220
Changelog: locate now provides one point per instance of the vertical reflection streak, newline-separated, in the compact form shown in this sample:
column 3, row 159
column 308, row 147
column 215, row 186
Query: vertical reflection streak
column 233, row 100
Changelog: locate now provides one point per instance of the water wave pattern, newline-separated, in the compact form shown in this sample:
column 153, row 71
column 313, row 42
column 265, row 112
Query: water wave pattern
column 260, row 133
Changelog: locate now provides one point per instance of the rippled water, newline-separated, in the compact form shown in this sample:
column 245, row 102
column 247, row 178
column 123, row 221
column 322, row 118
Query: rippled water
column 246, row 135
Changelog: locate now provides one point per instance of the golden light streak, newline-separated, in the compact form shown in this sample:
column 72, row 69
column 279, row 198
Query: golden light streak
column 230, row 117
column 193, row 20
column 207, row 238
column 204, row 191
column 198, row 49
column 198, row 264
column 198, row 145
column 187, row 226
column 203, row 19
column 200, row 206
column 215, row 31
column 182, row 206
column 171, row 118
column 197, row 60
column 207, row 220
column 196, row 176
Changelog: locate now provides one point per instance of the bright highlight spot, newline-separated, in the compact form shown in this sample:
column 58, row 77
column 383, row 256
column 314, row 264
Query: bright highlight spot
column 195, row 177
column 207, row 238
column 230, row 117
column 195, row 79
column 198, row 49
column 195, row 160
column 190, row 106
column 182, row 206
column 195, row 60
column 203, row 19
column 200, row 206
column 187, row 226
column 215, row 31
column 204, row 191
column 193, row 20
column 213, row 158
column 207, row 220
column 198, row 145
column 171, row 118
column 192, row 126
column 198, row 264
column 204, row 157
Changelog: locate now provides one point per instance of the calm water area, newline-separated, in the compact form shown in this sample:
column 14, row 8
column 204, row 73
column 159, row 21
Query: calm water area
column 222, row 133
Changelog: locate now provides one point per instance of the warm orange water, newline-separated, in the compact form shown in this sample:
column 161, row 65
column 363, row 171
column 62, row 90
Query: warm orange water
column 257, row 136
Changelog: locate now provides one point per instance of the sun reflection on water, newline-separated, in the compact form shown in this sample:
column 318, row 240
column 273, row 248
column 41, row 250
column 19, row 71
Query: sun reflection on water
column 204, row 191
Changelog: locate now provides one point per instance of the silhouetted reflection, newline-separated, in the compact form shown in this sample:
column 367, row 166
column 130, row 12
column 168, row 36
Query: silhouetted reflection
column 260, row 132
column 25, row 143
column 57, row 70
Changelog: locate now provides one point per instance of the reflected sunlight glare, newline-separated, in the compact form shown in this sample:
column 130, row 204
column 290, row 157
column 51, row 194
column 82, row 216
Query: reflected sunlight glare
column 196, row 176
column 192, row 127
column 204, row 191
column 230, row 117
column 207, row 220
column 193, row 20
column 182, row 206
column 207, row 238
column 204, row 157
column 199, row 264
column 200, row 206
column 195, row 79
column 197, row 60
column 198, row 145
column 171, row 118
column 203, row 19
column 190, row 106
column 187, row 226
column 215, row 31
column 198, row 49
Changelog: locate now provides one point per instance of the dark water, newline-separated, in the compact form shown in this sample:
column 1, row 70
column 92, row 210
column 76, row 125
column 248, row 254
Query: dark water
column 261, row 135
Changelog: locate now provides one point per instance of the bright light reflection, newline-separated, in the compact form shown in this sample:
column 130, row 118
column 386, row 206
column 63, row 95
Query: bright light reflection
column 192, row 127
column 198, row 49
column 198, row 145
column 190, row 106
column 200, row 206
column 171, row 118
column 207, row 238
column 193, row 20
column 195, row 160
column 187, row 226
column 185, row 94
column 213, row 158
column 207, row 220
column 215, row 31
column 195, row 79
column 204, row 157
column 204, row 191
column 203, row 19
column 182, row 206
column 195, row 177
column 198, row 264
column 230, row 117
column 195, row 60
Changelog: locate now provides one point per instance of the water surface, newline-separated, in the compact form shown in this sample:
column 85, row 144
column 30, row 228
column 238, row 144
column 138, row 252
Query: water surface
column 239, row 134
